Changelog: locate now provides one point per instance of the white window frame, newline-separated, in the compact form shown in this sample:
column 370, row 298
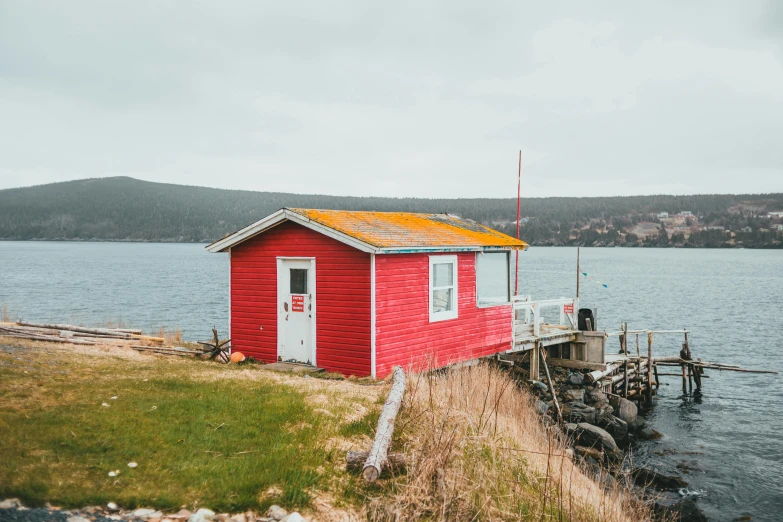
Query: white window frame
column 454, row 312
column 488, row 304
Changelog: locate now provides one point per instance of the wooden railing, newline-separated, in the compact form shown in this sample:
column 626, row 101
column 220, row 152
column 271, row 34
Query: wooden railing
column 528, row 316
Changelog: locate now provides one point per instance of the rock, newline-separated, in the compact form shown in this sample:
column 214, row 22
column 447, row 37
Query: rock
column 577, row 395
column 680, row 511
column 624, row 409
column 182, row 514
column 594, row 395
column 241, row 518
column 648, row 478
column 650, row 434
column 10, row 503
column 595, row 437
column 202, row 515
column 111, row 506
column 539, row 386
column 589, row 452
column 144, row 513
column 222, row 517
column 293, row 517
column 638, row 424
column 576, row 378
column 578, row 412
column 76, row 518
column 541, row 407
column 615, row 426
column 275, row 512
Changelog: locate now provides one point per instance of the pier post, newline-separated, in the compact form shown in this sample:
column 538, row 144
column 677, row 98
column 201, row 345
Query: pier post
column 534, row 356
column 649, row 366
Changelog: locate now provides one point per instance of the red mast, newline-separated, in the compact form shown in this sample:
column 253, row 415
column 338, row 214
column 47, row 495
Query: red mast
column 519, row 207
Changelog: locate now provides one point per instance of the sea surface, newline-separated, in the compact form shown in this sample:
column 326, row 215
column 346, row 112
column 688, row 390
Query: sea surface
column 730, row 440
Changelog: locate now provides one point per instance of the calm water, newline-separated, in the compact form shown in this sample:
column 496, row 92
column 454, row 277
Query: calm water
column 729, row 299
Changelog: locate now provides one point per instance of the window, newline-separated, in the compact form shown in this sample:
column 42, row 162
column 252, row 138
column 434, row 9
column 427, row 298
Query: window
column 443, row 288
column 493, row 284
column 298, row 280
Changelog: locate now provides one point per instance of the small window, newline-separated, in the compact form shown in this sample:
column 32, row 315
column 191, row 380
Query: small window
column 493, row 284
column 298, row 280
column 443, row 288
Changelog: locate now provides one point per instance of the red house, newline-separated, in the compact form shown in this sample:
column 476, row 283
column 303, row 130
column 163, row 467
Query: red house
column 361, row 292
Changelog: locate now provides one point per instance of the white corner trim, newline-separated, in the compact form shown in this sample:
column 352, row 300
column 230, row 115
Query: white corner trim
column 230, row 349
column 373, row 370
column 454, row 312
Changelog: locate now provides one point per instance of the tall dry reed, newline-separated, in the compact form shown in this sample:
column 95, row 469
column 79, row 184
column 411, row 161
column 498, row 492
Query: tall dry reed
column 479, row 451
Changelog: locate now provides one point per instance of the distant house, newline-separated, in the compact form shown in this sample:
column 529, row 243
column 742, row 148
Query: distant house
column 361, row 292
column 663, row 215
column 776, row 214
column 779, row 228
column 714, row 227
column 685, row 213
column 747, row 229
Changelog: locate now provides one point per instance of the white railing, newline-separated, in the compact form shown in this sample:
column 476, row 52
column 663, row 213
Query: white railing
column 528, row 317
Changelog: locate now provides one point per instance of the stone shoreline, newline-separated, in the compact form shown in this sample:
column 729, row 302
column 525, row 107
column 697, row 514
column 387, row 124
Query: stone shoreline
column 603, row 430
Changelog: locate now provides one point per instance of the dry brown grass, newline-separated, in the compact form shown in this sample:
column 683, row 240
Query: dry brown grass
column 479, row 451
column 172, row 337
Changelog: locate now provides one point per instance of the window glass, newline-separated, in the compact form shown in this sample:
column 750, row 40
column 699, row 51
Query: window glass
column 298, row 280
column 492, row 278
column 442, row 300
column 443, row 274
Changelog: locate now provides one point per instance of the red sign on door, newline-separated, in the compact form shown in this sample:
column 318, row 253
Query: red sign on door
column 568, row 308
column 297, row 303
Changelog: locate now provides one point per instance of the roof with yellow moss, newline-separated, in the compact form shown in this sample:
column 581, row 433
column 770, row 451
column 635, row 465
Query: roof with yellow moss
column 385, row 232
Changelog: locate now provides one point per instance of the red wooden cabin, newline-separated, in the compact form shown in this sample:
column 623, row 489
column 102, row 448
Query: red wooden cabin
column 361, row 292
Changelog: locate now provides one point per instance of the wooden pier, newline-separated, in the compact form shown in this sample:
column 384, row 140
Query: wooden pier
column 629, row 369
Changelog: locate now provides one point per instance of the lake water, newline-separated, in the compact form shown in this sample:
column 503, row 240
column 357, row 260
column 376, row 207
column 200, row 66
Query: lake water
column 729, row 299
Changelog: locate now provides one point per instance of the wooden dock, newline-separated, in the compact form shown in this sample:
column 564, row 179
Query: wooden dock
column 547, row 333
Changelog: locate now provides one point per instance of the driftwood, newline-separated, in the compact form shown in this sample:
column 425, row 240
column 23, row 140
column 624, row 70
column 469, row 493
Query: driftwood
column 354, row 461
column 125, row 334
column 383, row 434
column 551, row 386
column 712, row 366
column 10, row 332
column 166, row 351
column 597, row 375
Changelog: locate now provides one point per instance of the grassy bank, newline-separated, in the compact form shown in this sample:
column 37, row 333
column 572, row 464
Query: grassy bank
column 227, row 437
column 234, row 438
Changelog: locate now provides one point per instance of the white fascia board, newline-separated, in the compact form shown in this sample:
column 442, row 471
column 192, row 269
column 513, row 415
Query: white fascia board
column 246, row 233
column 282, row 215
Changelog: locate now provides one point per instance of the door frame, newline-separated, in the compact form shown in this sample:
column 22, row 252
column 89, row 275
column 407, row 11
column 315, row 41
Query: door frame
column 281, row 319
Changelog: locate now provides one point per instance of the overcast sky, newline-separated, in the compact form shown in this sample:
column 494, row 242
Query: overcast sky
column 428, row 99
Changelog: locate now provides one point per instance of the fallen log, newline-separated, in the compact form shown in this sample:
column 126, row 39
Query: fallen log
column 354, row 461
column 37, row 337
column 166, row 351
column 383, row 434
column 81, row 329
column 597, row 375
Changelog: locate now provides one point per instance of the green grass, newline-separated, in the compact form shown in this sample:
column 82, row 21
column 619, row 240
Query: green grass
column 199, row 436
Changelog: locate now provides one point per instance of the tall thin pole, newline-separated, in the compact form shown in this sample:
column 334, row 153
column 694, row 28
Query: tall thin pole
column 519, row 209
column 577, row 272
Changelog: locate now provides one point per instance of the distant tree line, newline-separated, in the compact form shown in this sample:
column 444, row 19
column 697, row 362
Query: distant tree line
column 126, row 209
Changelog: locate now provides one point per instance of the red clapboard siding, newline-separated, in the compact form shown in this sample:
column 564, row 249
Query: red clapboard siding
column 404, row 334
column 342, row 282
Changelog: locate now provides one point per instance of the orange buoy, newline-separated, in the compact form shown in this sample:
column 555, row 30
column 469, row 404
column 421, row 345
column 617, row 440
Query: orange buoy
column 237, row 357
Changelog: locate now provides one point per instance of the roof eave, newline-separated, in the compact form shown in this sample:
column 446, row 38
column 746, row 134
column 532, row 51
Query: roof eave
column 250, row 231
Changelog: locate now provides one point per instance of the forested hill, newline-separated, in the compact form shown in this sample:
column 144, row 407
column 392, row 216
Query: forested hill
column 126, row 209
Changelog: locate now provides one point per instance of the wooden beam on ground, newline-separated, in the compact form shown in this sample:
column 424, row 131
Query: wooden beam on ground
column 385, row 430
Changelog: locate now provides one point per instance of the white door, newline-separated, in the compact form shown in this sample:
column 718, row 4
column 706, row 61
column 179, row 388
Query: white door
column 296, row 310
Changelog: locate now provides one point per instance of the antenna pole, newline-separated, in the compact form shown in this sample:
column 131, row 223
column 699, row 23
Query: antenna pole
column 519, row 208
